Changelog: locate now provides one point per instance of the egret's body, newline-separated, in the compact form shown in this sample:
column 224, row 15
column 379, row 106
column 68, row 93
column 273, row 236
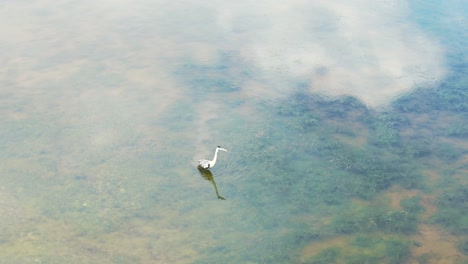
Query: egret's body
column 208, row 164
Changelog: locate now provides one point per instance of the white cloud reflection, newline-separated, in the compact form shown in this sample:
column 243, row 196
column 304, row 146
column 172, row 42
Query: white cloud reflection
column 367, row 49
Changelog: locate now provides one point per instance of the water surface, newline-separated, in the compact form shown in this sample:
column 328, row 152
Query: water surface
column 345, row 125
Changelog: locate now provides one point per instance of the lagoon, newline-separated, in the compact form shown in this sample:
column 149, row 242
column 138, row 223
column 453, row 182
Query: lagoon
column 345, row 125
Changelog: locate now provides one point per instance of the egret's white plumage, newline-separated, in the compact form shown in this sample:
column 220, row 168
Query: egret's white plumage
column 208, row 164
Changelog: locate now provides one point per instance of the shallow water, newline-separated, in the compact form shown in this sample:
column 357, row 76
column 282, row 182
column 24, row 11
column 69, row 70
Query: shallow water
column 346, row 138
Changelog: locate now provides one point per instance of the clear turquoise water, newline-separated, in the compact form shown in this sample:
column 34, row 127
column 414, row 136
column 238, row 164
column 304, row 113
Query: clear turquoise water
column 345, row 126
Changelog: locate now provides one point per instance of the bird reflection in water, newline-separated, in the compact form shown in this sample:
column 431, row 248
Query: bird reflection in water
column 207, row 175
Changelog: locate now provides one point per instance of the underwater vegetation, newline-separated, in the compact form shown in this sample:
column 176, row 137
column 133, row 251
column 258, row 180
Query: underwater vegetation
column 385, row 127
column 303, row 163
column 450, row 95
column 366, row 249
column 385, row 135
column 309, row 162
column 378, row 217
column 453, row 206
column 463, row 246
column 369, row 171
column 412, row 205
column 457, row 131
column 301, row 104
column 329, row 255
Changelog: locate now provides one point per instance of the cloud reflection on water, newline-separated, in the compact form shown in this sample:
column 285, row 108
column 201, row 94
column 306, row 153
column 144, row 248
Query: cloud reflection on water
column 367, row 49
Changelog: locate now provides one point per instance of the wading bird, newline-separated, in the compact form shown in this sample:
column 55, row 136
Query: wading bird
column 208, row 164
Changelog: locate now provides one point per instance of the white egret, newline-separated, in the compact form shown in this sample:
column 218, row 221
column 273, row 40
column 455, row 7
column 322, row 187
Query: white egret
column 208, row 164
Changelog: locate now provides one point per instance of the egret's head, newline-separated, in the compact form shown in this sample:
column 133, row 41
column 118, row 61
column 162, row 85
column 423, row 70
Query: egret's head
column 220, row 148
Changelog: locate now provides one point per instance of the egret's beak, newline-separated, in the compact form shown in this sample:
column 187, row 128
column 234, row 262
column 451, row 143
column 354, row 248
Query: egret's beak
column 223, row 149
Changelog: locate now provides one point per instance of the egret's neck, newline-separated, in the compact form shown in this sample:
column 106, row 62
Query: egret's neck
column 213, row 162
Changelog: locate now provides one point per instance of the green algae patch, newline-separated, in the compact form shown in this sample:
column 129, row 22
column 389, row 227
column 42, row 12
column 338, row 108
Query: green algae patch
column 365, row 249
